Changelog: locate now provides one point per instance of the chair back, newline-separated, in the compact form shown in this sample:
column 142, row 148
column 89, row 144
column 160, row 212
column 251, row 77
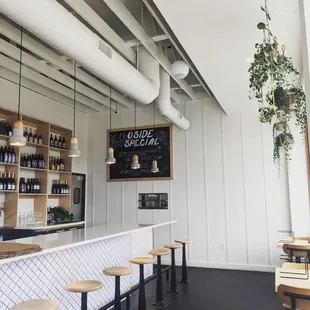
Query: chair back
column 297, row 250
column 290, row 295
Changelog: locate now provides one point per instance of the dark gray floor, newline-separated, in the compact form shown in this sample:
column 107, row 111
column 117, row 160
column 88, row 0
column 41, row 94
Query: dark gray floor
column 213, row 289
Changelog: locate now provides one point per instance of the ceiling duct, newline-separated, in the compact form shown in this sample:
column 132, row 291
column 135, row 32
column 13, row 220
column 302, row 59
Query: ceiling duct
column 165, row 106
column 51, row 22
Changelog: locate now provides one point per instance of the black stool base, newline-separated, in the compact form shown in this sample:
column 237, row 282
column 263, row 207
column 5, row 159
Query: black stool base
column 160, row 303
column 185, row 282
column 174, row 292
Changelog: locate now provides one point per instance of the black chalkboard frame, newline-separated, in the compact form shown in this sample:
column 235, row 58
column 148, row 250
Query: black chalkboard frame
column 146, row 178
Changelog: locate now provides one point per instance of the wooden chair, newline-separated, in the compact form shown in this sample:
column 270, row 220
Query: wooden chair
column 38, row 304
column 292, row 266
column 294, row 298
column 298, row 251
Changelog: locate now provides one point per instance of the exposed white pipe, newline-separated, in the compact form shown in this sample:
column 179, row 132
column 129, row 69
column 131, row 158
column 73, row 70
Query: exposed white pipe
column 165, row 106
column 51, row 22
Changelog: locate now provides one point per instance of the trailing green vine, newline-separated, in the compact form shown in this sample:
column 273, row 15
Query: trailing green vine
column 273, row 80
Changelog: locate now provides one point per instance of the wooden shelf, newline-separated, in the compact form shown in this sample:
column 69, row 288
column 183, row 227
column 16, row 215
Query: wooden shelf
column 32, row 169
column 4, row 137
column 57, row 149
column 59, row 172
column 36, row 145
column 6, row 164
column 8, row 191
column 30, row 194
column 57, row 195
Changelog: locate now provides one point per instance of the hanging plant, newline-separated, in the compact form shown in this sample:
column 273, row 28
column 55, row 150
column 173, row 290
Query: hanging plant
column 274, row 83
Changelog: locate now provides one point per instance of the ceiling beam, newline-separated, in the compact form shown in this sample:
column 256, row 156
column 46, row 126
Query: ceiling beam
column 158, row 38
column 87, row 13
column 176, row 45
column 121, row 11
column 28, row 73
column 37, row 48
column 29, row 85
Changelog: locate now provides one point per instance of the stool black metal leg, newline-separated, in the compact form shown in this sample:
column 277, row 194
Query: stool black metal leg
column 159, row 287
column 128, row 302
column 142, row 300
column 173, row 283
column 184, row 267
column 167, row 275
column 84, row 301
column 117, row 305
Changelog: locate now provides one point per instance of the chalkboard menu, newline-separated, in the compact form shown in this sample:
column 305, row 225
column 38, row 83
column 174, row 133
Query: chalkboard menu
column 149, row 143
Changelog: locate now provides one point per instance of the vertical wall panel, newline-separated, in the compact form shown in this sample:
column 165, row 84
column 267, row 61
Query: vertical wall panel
column 254, row 185
column 195, row 186
column 215, row 212
column 234, row 190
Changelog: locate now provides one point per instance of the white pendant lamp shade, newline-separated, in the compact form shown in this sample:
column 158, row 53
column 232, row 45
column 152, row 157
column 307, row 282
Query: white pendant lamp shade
column 110, row 159
column 18, row 139
column 179, row 69
column 135, row 162
column 74, row 150
column 154, row 167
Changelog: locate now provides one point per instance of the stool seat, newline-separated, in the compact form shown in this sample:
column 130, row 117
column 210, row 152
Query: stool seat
column 183, row 241
column 84, row 286
column 142, row 260
column 159, row 252
column 117, row 271
column 38, row 304
column 173, row 246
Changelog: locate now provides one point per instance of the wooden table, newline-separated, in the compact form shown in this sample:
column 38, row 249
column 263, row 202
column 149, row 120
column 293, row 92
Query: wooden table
column 296, row 242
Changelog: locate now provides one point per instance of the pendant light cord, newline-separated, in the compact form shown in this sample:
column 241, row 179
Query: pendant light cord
column 110, row 107
column 74, row 100
column 20, row 71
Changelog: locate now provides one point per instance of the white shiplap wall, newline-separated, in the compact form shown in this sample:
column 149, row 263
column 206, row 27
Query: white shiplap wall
column 226, row 194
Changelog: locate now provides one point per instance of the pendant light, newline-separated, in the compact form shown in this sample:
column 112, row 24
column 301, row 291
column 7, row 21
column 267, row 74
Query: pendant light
column 154, row 168
column 110, row 159
column 74, row 150
column 17, row 138
column 135, row 158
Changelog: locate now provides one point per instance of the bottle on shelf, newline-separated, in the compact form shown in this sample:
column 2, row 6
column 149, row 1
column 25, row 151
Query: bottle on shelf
column 26, row 133
column 32, row 186
column 30, row 136
column 1, row 182
column 52, row 141
column 35, row 137
column 55, row 141
column 9, row 182
column 64, row 145
column 22, row 186
column 40, row 140
column 60, row 187
column 5, row 155
column 60, row 142
column 13, row 156
column 10, row 130
column 4, row 180
column 13, row 182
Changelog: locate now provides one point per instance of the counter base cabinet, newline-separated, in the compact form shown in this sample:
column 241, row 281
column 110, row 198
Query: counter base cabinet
column 45, row 275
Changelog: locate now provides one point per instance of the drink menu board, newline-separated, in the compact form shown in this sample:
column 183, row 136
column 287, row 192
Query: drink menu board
column 149, row 143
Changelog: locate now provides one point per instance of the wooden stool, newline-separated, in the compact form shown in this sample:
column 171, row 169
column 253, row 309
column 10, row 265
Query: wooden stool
column 84, row 287
column 117, row 272
column 173, row 283
column 141, row 261
column 184, row 266
column 38, row 304
column 159, row 286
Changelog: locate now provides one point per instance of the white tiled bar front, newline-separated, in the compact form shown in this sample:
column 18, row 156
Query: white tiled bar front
column 75, row 255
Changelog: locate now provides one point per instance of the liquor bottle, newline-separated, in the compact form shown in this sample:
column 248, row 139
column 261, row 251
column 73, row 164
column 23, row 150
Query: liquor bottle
column 42, row 162
column 22, row 186
column 40, row 140
column 62, row 165
column 5, row 155
column 52, row 141
column 13, row 182
column 1, row 154
column 57, row 164
column 67, row 186
column 31, row 186
column 30, row 136
column 9, row 156
column 64, row 145
column 10, row 131
column 13, row 156
column 26, row 133
column 38, row 186
column 60, row 142
column 5, row 184
column 35, row 137
column 28, row 162
column 9, row 182
column 1, row 182
column 56, row 141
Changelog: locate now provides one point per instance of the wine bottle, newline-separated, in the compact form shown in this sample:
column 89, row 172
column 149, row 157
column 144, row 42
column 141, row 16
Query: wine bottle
column 56, row 141
column 26, row 133
column 62, row 165
column 13, row 182
column 5, row 155
column 35, row 137
column 42, row 162
column 13, row 156
column 9, row 156
column 57, row 164
column 1, row 154
column 30, row 136
column 40, row 140
column 9, row 182
column 52, row 141
column 1, row 182
column 60, row 142
column 5, row 184
column 64, row 145
column 10, row 131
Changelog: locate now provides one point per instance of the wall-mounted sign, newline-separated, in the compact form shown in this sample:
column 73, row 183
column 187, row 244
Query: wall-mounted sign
column 149, row 143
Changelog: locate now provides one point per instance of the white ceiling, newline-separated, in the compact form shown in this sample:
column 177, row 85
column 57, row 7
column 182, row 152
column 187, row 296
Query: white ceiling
column 220, row 35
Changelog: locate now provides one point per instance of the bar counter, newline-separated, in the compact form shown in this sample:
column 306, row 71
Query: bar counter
column 75, row 255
